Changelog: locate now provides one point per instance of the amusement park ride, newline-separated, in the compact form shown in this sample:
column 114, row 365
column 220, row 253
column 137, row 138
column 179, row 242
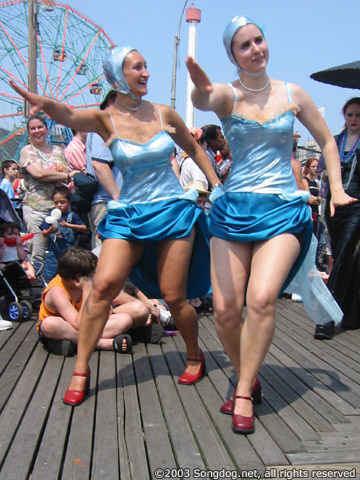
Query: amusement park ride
column 70, row 50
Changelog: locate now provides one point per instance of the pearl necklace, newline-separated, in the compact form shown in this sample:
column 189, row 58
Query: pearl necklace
column 132, row 109
column 255, row 90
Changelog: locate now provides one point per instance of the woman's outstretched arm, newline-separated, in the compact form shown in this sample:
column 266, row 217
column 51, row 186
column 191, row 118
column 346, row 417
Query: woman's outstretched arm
column 86, row 120
column 207, row 96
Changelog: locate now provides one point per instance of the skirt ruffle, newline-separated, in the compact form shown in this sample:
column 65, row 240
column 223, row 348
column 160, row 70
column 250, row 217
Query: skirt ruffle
column 162, row 220
column 253, row 217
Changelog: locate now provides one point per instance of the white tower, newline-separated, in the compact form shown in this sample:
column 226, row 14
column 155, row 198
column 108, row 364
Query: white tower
column 193, row 17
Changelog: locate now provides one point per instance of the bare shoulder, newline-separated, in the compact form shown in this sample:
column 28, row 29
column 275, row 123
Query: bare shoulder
column 222, row 99
column 299, row 95
column 168, row 114
column 55, row 296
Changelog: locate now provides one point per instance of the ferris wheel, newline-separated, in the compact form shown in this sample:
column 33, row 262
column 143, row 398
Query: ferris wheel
column 70, row 52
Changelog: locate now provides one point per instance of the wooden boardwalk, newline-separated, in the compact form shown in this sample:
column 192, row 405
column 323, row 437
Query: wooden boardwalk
column 139, row 424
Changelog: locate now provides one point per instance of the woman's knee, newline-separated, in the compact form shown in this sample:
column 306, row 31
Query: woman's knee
column 174, row 299
column 227, row 313
column 105, row 289
column 262, row 303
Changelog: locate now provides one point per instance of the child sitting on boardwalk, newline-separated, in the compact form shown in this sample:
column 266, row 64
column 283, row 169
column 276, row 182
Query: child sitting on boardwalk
column 63, row 300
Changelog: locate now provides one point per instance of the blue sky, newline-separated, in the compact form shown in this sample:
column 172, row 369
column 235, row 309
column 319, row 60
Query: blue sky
column 304, row 36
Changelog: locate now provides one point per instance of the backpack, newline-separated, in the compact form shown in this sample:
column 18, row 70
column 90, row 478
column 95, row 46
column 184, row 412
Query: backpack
column 86, row 186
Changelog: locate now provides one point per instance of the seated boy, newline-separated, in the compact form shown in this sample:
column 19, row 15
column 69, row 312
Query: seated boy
column 64, row 298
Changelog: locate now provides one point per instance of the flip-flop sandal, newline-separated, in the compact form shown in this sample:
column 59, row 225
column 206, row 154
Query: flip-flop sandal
column 150, row 333
column 118, row 343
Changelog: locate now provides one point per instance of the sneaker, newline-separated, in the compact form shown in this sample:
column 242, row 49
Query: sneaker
column 296, row 298
column 59, row 347
column 325, row 331
column 4, row 324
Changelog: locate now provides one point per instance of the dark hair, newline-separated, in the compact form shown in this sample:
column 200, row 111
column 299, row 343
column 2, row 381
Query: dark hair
column 210, row 132
column 36, row 117
column 225, row 151
column 110, row 96
column 294, row 145
column 76, row 261
column 308, row 163
column 7, row 164
column 62, row 190
column 9, row 226
column 352, row 101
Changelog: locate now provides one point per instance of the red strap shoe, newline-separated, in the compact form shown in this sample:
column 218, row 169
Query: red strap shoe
column 76, row 397
column 191, row 378
column 228, row 407
column 241, row 424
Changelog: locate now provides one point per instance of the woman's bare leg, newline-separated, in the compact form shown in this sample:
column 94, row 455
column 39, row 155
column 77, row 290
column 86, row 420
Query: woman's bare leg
column 270, row 265
column 173, row 264
column 230, row 265
column 115, row 263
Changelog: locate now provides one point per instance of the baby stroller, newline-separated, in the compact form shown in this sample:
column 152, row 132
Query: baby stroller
column 14, row 283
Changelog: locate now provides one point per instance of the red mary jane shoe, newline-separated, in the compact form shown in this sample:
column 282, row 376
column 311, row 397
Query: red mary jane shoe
column 76, row 397
column 191, row 378
column 241, row 424
column 228, row 407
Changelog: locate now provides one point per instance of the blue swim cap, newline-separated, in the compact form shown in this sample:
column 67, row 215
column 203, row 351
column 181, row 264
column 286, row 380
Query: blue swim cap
column 230, row 30
column 113, row 70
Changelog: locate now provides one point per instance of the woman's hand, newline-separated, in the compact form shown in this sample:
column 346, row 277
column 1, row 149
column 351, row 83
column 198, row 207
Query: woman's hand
column 198, row 76
column 206, row 96
column 339, row 199
column 35, row 100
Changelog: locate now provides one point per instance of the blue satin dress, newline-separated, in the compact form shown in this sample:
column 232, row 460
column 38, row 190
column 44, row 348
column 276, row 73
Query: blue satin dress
column 152, row 207
column 260, row 199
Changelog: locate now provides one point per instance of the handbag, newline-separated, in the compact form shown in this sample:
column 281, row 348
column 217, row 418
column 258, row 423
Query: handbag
column 86, row 185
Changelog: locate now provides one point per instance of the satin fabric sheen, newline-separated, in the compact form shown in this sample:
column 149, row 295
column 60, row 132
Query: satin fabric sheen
column 152, row 207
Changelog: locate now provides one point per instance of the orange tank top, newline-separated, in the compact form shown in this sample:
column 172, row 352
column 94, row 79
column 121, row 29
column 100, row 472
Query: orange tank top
column 46, row 311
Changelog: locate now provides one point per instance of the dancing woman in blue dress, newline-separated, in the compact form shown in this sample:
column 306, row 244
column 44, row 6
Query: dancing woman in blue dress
column 152, row 211
column 260, row 224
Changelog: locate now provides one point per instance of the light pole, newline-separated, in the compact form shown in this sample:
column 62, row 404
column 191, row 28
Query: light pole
column 174, row 69
column 32, row 50
column 193, row 17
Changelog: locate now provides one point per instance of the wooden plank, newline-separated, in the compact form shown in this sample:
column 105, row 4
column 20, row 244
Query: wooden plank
column 14, row 342
column 238, row 446
column 175, row 412
column 278, row 429
column 78, row 450
column 25, row 443
column 310, row 368
column 296, row 423
column 328, row 349
column 137, row 411
column 105, row 458
column 49, row 458
column 133, row 459
column 325, row 458
column 335, row 442
column 17, row 404
column 4, row 338
column 295, row 393
column 154, row 427
column 186, row 405
column 303, row 367
column 16, row 365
